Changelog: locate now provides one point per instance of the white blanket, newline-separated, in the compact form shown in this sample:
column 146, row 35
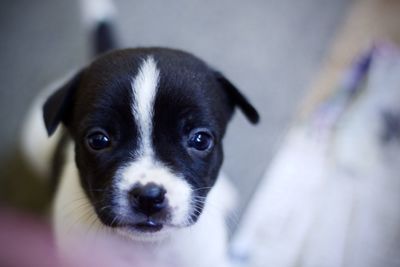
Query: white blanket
column 332, row 195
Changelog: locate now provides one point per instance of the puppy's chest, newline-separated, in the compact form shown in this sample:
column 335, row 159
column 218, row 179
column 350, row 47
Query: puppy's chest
column 202, row 245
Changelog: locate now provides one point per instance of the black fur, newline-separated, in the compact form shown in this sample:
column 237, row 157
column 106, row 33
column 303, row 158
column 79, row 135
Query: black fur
column 58, row 107
column 104, row 38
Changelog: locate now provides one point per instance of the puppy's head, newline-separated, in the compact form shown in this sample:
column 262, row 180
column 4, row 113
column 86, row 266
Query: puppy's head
column 147, row 125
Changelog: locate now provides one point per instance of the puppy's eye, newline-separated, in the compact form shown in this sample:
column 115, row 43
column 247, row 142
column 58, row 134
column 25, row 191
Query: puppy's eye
column 200, row 140
column 98, row 141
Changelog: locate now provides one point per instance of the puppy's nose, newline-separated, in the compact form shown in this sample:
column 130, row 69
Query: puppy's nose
column 148, row 199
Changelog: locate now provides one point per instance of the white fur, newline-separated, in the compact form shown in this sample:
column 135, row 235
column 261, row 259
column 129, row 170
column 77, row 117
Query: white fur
column 95, row 11
column 201, row 245
column 144, row 87
column 72, row 209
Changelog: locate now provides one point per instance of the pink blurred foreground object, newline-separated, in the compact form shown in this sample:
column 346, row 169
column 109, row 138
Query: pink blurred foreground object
column 27, row 241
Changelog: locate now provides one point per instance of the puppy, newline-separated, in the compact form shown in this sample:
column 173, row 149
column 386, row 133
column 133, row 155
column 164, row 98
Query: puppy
column 141, row 149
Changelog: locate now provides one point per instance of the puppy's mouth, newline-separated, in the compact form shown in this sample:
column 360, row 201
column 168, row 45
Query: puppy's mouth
column 147, row 230
column 148, row 226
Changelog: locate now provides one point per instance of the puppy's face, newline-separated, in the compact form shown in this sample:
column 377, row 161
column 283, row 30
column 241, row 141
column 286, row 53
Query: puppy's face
column 147, row 126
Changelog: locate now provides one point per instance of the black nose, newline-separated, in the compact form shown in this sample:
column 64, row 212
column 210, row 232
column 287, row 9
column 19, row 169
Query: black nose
column 148, row 199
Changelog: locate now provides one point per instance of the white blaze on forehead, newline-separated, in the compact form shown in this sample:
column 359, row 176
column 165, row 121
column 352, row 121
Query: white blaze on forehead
column 146, row 168
column 144, row 87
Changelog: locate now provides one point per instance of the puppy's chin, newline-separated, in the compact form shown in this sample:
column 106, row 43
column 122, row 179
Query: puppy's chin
column 136, row 234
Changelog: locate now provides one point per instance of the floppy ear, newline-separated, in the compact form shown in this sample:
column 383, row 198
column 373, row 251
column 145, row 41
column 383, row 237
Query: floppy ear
column 58, row 106
column 238, row 99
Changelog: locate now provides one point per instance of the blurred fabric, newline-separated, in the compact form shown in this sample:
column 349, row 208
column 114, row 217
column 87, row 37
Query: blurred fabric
column 331, row 196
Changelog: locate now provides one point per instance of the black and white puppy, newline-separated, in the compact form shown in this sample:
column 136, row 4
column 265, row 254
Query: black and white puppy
column 141, row 150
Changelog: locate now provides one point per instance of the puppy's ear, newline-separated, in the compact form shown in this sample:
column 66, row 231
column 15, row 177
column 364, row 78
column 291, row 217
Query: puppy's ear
column 238, row 99
column 58, row 106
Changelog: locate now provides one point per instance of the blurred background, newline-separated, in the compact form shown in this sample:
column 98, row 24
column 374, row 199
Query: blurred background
column 318, row 177
column 270, row 49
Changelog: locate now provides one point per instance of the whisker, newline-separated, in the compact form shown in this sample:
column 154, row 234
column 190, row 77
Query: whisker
column 79, row 220
column 231, row 218
column 202, row 188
